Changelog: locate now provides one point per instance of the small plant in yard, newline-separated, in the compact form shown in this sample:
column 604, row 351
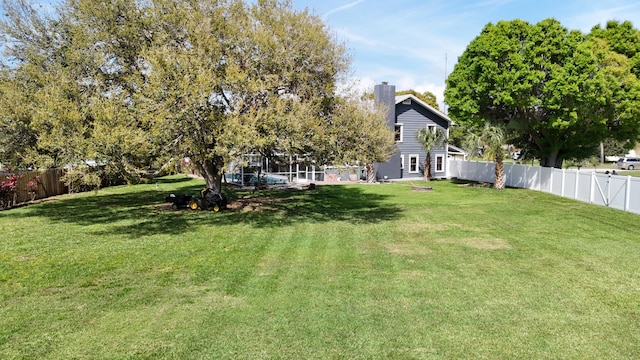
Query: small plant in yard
column 32, row 187
column 8, row 190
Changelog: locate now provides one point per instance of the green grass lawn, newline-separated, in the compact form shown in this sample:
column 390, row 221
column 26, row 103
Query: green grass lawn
column 348, row 271
column 635, row 173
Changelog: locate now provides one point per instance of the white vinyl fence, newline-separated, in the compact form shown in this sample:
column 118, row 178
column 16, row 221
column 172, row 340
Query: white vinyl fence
column 617, row 191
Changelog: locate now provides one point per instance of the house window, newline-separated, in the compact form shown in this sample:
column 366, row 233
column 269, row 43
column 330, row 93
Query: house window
column 431, row 128
column 439, row 163
column 399, row 132
column 402, row 162
column 413, row 163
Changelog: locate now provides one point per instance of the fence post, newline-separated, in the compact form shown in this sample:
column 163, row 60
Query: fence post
column 575, row 191
column 609, row 191
column 591, row 187
column 562, row 182
column 627, row 194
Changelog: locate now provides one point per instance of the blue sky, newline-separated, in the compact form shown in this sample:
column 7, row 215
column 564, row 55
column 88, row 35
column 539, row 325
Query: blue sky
column 413, row 44
column 405, row 42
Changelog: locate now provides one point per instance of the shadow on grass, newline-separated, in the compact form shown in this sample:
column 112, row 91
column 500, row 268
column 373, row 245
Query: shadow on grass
column 143, row 213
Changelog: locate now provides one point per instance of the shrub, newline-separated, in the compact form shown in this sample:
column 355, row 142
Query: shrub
column 32, row 187
column 8, row 191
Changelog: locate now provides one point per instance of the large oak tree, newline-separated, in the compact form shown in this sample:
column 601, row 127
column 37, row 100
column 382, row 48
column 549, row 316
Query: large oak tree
column 130, row 83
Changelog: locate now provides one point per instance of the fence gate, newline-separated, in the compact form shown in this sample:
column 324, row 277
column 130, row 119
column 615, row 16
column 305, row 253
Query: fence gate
column 603, row 187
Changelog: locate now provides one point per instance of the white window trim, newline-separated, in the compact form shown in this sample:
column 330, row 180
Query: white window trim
column 417, row 170
column 440, row 156
column 402, row 162
column 432, row 128
column 401, row 132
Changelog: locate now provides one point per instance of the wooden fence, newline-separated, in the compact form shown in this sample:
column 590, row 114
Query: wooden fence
column 48, row 184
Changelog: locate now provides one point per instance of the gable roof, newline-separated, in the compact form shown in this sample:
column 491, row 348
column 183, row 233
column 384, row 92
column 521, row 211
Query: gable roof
column 402, row 98
column 456, row 150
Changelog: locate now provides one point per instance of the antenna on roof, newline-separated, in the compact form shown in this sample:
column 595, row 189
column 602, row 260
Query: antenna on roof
column 445, row 66
column 444, row 104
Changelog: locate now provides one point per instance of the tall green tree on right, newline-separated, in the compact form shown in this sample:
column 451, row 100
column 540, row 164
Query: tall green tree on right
column 623, row 39
column 560, row 92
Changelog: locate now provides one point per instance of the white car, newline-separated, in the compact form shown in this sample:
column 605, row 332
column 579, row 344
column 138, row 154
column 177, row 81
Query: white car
column 628, row 163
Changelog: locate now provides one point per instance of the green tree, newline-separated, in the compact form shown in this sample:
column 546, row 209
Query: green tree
column 79, row 86
column 363, row 135
column 612, row 147
column 430, row 139
column 18, row 90
column 560, row 92
column 16, row 135
column 456, row 135
column 223, row 91
column 622, row 38
column 129, row 84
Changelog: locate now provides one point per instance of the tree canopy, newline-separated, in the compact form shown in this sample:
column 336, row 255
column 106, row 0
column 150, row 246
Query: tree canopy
column 132, row 84
column 560, row 91
column 622, row 38
column 363, row 134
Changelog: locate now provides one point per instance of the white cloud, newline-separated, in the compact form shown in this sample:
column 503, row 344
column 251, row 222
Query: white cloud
column 352, row 37
column 343, row 7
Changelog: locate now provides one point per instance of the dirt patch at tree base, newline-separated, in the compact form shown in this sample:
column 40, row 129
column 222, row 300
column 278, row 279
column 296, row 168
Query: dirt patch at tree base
column 258, row 204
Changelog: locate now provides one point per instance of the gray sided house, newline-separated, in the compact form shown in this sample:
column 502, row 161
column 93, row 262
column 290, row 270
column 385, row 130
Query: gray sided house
column 407, row 114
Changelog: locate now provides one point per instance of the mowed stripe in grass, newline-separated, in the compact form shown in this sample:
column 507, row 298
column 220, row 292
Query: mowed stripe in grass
column 357, row 271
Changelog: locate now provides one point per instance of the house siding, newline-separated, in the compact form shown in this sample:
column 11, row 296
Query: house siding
column 413, row 117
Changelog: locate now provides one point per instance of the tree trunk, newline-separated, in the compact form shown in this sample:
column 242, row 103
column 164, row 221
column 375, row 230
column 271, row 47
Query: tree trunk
column 211, row 171
column 553, row 160
column 427, row 167
column 371, row 173
column 499, row 180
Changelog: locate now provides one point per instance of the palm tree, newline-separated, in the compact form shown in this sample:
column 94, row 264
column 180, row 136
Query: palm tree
column 429, row 140
column 491, row 139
